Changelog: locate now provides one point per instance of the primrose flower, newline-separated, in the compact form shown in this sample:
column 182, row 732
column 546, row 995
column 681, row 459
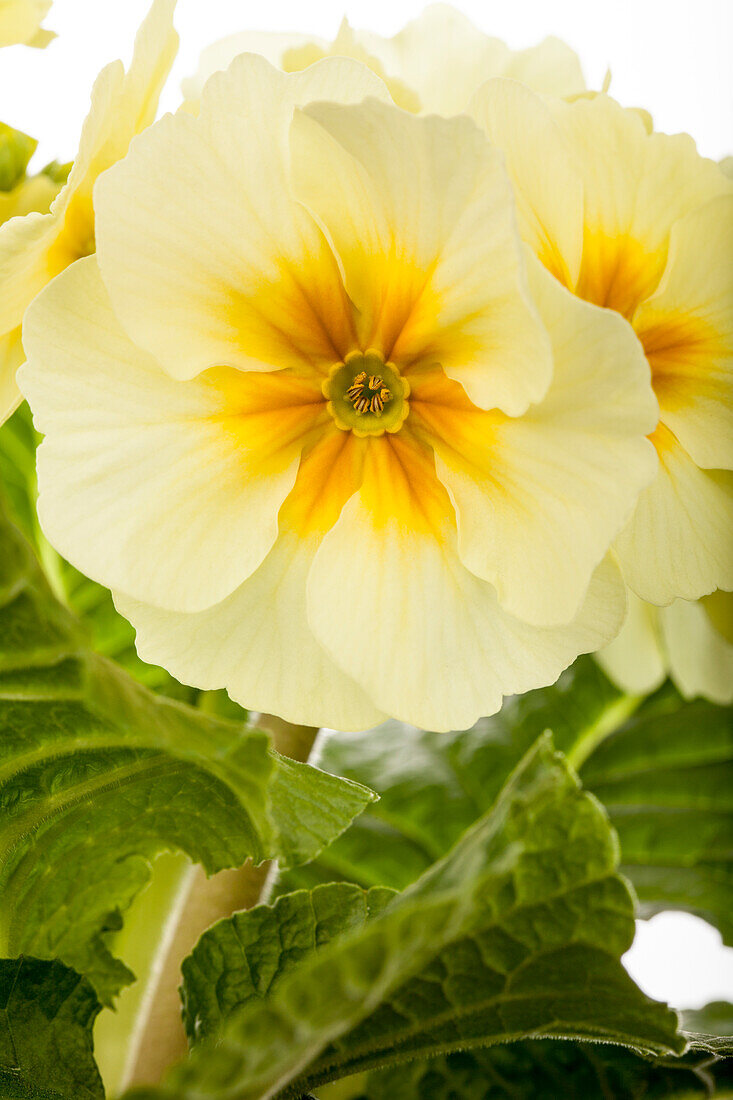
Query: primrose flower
column 434, row 65
column 20, row 23
column 690, row 641
column 19, row 195
column 35, row 248
column 313, row 422
column 638, row 222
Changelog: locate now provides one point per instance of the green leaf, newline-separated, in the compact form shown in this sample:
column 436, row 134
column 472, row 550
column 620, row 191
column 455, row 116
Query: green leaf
column 517, row 932
column 46, row 1017
column 98, row 776
column 715, row 1018
column 16, row 149
column 545, row 1070
column 665, row 774
column 666, row 778
column 238, row 959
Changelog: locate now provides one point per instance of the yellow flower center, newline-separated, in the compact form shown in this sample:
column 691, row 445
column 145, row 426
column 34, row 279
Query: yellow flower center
column 367, row 396
column 368, row 393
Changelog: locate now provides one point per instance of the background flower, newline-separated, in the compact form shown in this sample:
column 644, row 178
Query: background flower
column 19, row 195
column 35, row 249
column 690, row 641
column 20, row 23
column 639, row 223
column 434, row 64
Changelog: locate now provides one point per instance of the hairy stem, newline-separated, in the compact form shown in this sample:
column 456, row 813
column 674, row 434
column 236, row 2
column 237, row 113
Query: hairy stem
column 156, row 1036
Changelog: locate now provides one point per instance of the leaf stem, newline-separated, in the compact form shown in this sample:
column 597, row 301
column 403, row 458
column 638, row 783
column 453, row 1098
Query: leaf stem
column 608, row 721
column 155, row 1036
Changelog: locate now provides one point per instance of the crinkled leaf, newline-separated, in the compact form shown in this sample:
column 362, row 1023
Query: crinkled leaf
column 98, row 775
column 517, row 932
column 665, row 774
column 545, row 1070
column 239, row 959
column 16, row 149
column 46, row 1017
column 666, row 778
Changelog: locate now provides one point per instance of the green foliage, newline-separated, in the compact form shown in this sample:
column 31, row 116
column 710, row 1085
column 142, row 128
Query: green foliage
column 98, row 775
column 576, row 1071
column 516, row 932
column 239, row 959
column 663, row 769
column 666, row 778
column 545, row 1070
column 511, row 921
column 46, row 1017
column 16, row 149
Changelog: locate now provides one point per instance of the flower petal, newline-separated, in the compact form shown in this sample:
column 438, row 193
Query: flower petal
column 550, row 202
column 539, row 498
column 635, row 659
column 25, row 269
column 700, row 658
column 167, row 492
column 35, row 249
column 687, row 332
column 217, row 57
column 445, row 58
column 245, row 278
column 20, row 23
column 11, row 356
column 421, row 215
column 679, row 541
column 257, row 642
column 636, row 185
column 390, row 600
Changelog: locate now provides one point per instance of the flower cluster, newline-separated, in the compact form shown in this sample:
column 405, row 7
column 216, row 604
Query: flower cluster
column 374, row 377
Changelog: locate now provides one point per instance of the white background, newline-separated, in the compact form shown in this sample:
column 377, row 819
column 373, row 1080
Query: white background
column 670, row 56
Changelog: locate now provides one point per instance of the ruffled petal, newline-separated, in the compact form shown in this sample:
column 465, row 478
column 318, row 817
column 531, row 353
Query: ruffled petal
column 166, row 492
column 636, row 185
column 679, row 541
column 550, row 202
column 272, row 45
column 421, row 215
column 687, row 332
column 257, row 643
column 244, row 278
column 444, row 58
column 539, row 498
column 428, row 641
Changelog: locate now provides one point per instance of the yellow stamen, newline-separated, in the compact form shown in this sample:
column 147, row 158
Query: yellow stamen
column 368, row 393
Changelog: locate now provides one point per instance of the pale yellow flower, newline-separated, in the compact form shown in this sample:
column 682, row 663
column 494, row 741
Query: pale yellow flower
column 639, row 223
column 20, row 23
column 690, row 641
column 434, row 65
column 35, row 248
column 19, row 195
column 305, row 417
